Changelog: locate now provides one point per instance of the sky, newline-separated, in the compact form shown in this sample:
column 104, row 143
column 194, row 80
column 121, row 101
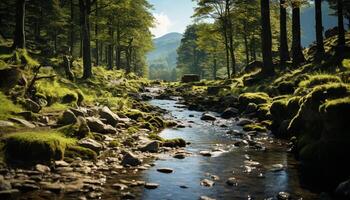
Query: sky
column 171, row 15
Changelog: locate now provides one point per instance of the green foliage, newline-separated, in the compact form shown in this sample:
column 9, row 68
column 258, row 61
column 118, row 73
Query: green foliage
column 36, row 146
column 19, row 57
column 7, row 108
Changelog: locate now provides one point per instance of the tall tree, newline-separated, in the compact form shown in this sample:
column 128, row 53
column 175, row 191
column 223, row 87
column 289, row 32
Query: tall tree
column 85, row 10
column 19, row 39
column 266, row 38
column 319, row 31
column 341, row 35
column 283, row 49
column 297, row 53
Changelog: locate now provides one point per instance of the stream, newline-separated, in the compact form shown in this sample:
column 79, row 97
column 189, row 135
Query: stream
column 262, row 180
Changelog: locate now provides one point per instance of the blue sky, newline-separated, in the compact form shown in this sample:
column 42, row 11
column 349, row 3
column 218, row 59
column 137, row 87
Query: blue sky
column 171, row 15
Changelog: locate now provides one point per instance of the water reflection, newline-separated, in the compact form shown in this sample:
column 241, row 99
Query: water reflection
column 184, row 182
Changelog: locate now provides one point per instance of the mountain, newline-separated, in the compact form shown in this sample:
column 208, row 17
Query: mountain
column 307, row 16
column 162, row 60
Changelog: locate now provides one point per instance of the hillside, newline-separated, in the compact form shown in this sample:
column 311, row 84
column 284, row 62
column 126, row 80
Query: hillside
column 162, row 60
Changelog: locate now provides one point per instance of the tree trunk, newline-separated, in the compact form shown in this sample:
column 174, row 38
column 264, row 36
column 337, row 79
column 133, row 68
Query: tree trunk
column 117, row 49
column 110, row 49
column 227, row 52
column 266, row 38
column 214, row 67
column 252, row 48
column 232, row 51
column 297, row 53
column 284, row 53
column 71, row 41
column 319, row 31
column 96, row 35
column 246, row 48
column 85, row 6
column 341, row 35
column 19, row 39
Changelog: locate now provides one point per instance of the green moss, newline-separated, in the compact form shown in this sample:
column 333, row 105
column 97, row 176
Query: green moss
column 7, row 108
column 254, row 127
column 114, row 143
column 18, row 57
column 36, row 146
column 155, row 136
column 340, row 104
column 131, row 130
column 346, row 63
column 134, row 114
column 75, row 151
column 319, row 79
column 257, row 98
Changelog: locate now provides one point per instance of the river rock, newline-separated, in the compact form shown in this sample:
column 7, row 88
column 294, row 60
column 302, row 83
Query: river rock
column 91, row 144
column 22, row 122
column 180, row 156
column 251, row 108
column 277, row 167
column 151, row 185
column 32, row 106
column 106, row 113
column 42, row 168
column 4, row 185
column 205, row 198
column 78, row 112
column 229, row 112
column 283, row 196
column 68, row 117
column 96, row 125
column 119, row 186
column 131, row 159
column 207, row 183
column 231, row 181
column 187, row 78
column 152, row 147
column 343, row 190
column 205, row 153
column 208, row 117
column 61, row 163
column 6, row 124
column 9, row 194
column 244, row 122
column 53, row 187
column 165, row 170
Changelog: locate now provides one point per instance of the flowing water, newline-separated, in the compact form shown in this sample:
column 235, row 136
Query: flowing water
column 264, row 181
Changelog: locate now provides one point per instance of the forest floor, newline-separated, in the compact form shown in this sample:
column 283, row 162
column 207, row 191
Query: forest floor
column 61, row 136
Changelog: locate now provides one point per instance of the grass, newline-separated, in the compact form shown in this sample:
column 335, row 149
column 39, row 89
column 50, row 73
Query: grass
column 36, row 146
column 7, row 108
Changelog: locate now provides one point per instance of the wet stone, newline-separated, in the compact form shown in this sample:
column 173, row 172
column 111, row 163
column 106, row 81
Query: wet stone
column 231, row 181
column 205, row 153
column 9, row 194
column 283, row 196
column 205, row 198
column 151, row 185
column 42, row 168
column 165, row 170
column 119, row 186
column 207, row 183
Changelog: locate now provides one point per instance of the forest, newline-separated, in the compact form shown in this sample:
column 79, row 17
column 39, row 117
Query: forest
column 94, row 106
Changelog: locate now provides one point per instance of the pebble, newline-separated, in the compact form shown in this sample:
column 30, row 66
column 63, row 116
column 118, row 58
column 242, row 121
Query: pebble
column 119, row 186
column 205, row 153
column 205, row 198
column 231, row 181
column 207, row 183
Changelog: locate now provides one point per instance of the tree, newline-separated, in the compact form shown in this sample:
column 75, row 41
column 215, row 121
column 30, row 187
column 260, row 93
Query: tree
column 319, row 31
column 85, row 10
column 266, row 38
column 220, row 10
column 283, row 49
column 341, row 34
column 19, row 38
column 297, row 53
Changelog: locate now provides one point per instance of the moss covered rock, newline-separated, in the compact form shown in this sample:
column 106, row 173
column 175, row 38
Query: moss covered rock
column 322, row 126
column 36, row 146
column 257, row 98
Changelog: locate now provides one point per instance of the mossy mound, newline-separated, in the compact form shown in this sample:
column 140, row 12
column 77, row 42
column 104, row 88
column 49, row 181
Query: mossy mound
column 255, row 127
column 322, row 126
column 257, row 98
column 19, row 57
column 177, row 142
column 36, row 146
column 75, row 151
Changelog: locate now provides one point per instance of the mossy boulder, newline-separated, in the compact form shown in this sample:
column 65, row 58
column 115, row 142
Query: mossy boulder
column 257, row 98
column 76, row 151
column 36, row 146
column 10, row 77
column 255, row 127
column 322, row 127
column 177, row 142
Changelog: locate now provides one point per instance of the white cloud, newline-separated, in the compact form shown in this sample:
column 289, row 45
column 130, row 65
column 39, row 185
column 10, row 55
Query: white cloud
column 162, row 24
